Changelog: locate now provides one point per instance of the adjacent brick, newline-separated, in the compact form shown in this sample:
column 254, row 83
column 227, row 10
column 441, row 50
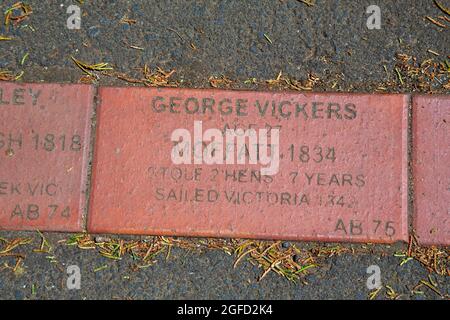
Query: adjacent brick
column 431, row 169
column 44, row 146
column 342, row 173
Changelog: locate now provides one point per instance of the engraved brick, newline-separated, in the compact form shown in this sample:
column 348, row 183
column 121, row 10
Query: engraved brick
column 341, row 174
column 44, row 147
column 431, row 169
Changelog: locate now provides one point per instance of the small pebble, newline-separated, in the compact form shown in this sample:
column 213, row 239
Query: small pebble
column 150, row 37
column 93, row 32
column 18, row 295
column 253, row 49
column 100, row 239
column 285, row 245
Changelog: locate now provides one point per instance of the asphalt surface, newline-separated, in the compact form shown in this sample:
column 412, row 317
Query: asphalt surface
column 200, row 39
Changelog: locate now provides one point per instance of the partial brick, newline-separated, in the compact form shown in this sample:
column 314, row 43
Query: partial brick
column 341, row 177
column 44, row 148
column 431, row 169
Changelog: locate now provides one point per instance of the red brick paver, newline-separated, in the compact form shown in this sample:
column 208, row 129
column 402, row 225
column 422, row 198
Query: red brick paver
column 431, row 168
column 44, row 147
column 341, row 177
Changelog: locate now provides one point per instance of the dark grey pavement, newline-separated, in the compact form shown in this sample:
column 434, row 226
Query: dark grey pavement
column 200, row 39
column 207, row 274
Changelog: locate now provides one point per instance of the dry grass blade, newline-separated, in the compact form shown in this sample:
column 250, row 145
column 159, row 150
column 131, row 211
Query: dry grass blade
column 88, row 68
column 243, row 254
column 373, row 294
column 442, row 8
column 24, row 9
column 391, row 294
column 126, row 20
column 275, row 81
column 13, row 244
column 6, row 75
column 268, row 38
column 399, row 75
column 431, row 287
column 7, row 248
column 330, row 251
column 288, row 262
column 434, row 259
column 284, row 82
column 434, row 21
column 82, row 241
column 428, row 76
column 45, row 246
column 220, row 82
column 309, row 3
column 151, row 78
column 158, row 77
